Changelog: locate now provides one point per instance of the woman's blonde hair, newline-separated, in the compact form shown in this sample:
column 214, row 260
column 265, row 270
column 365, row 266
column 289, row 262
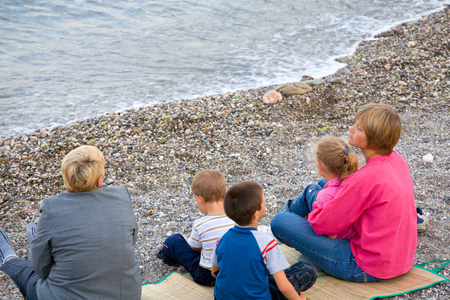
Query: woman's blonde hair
column 382, row 126
column 81, row 169
column 334, row 154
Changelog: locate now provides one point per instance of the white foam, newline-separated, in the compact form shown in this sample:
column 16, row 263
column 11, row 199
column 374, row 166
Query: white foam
column 118, row 61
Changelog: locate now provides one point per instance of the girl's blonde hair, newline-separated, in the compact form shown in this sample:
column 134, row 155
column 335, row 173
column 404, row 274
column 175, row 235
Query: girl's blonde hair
column 335, row 156
column 81, row 169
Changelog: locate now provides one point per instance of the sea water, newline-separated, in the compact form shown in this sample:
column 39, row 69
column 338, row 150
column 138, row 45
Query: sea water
column 62, row 61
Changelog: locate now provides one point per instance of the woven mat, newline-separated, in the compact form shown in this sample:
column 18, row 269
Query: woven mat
column 181, row 286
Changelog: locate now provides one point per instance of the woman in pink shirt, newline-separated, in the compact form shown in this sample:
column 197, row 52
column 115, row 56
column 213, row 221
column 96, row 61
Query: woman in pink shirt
column 377, row 201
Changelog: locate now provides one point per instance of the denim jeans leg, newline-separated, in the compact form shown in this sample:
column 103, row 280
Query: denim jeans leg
column 302, row 204
column 23, row 276
column 333, row 256
column 302, row 276
column 322, row 182
column 180, row 251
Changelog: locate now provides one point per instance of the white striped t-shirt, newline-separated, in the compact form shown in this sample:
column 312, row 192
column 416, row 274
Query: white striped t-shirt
column 205, row 233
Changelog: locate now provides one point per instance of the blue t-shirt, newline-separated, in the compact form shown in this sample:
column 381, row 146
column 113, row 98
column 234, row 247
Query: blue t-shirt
column 246, row 257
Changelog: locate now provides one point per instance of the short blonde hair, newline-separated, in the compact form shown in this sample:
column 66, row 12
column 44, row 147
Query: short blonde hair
column 81, row 169
column 209, row 184
column 335, row 156
column 382, row 126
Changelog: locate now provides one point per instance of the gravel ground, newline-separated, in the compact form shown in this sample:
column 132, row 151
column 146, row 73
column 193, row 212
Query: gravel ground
column 156, row 150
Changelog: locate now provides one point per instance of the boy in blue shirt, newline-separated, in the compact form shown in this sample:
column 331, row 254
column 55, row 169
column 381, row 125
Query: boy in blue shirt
column 250, row 264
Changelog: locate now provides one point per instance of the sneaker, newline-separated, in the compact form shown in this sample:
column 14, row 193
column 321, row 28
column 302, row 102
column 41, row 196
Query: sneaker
column 422, row 220
column 165, row 260
column 301, row 275
column 6, row 250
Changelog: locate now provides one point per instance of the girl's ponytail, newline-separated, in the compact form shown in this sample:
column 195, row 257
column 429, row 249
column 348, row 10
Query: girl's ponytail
column 335, row 155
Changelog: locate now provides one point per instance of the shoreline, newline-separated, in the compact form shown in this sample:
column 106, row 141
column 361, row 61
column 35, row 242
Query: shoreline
column 332, row 62
column 155, row 151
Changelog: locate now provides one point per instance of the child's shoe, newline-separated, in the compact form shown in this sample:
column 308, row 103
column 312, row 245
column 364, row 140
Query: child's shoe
column 422, row 220
column 167, row 261
column 6, row 250
column 301, row 275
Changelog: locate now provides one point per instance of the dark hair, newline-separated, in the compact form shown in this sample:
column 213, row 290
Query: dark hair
column 242, row 200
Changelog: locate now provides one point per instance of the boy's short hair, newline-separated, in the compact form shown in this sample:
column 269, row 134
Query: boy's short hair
column 209, row 184
column 382, row 126
column 81, row 169
column 242, row 200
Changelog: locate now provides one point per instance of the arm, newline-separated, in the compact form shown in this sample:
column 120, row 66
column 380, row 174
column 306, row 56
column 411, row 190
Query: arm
column 327, row 193
column 286, row 287
column 214, row 271
column 40, row 248
column 215, row 265
column 321, row 199
column 136, row 227
column 342, row 211
column 194, row 240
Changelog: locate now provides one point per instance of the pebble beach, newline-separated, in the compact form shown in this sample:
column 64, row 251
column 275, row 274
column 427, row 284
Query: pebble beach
column 155, row 151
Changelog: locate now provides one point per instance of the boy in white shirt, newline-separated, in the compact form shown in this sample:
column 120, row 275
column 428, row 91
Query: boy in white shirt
column 208, row 187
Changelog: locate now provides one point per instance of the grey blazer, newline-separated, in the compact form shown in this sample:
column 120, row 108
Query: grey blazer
column 84, row 246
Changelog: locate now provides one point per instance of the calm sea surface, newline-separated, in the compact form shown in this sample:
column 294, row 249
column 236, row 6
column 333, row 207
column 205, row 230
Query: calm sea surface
column 62, row 60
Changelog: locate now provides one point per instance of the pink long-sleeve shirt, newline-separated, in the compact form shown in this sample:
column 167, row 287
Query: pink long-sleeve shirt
column 378, row 200
column 326, row 194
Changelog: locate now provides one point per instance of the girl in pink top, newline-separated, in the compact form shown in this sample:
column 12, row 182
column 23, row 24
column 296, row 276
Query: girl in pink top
column 377, row 200
column 334, row 163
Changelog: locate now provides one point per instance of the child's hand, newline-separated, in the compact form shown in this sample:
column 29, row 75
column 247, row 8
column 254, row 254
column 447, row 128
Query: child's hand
column 333, row 237
column 286, row 287
column 214, row 271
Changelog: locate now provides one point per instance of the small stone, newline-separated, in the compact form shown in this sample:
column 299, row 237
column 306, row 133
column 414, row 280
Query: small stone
column 307, row 77
column 272, row 97
column 297, row 88
column 428, row 158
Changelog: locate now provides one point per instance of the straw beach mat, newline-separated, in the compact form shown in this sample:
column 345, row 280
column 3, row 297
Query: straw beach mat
column 181, row 286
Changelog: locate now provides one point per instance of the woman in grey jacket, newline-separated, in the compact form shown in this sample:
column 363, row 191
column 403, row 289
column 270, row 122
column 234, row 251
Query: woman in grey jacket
column 84, row 243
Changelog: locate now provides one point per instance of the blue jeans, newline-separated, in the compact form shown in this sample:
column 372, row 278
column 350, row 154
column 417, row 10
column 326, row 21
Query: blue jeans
column 23, row 276
column 302, row 275
column 333, row 256
column 176, row 249
column 302, row 204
